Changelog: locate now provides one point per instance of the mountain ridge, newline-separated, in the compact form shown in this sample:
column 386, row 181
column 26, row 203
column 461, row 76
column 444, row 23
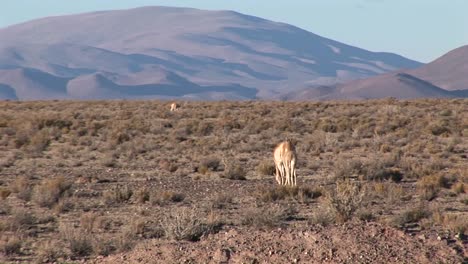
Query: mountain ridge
column 208, row 51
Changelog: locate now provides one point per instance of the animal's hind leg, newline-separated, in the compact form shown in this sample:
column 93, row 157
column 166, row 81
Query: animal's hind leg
column 293, row 173
column 277, row 175
column 288, row 174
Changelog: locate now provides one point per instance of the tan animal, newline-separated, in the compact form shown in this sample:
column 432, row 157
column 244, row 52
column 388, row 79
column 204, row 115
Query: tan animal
column 174, row 107
column 285, row 163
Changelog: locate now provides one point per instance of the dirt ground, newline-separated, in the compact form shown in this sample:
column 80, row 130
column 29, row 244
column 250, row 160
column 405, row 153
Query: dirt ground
column 379, row 181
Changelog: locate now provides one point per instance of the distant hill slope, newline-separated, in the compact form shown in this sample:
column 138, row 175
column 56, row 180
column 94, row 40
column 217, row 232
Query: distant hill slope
column 446, row 76
column 449, row 72
column 206, row 54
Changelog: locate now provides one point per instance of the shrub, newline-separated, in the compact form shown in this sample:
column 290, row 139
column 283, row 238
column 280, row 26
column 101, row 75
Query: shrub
column 429, row 186
column 40, row 141
column 322, row 216
column 438, row 129
column 21, row 219
column 49, row 252
column 4, row 193
column 345, row 199
column 118, row 194
column 143, row 196
column 266, row 168
column 211, row 163
column 301, row 194
column 221, row 201
column 88, row 221
column 411, row 215
column 185, row 224
column 380, row 169
column 10, row 245
column 162, row 198
column 22, row 187
column 50, row 191
column 79, row 243
column 459, row 188
column 167, row 165
column 235, row 172
column 346, row 168
column 267, row 217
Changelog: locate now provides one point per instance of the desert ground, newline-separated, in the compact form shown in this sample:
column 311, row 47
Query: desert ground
column 379, row 181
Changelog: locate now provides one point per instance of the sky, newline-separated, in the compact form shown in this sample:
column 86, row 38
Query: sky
column 422, row 30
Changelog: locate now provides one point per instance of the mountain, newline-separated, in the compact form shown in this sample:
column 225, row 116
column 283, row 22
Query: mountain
column 446, row 76
column 165, row 52
column 449, row 72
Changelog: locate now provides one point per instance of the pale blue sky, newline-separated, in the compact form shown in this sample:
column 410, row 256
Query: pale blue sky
column 418, row 29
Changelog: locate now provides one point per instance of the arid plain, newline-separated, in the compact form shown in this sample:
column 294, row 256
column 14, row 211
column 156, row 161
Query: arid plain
column 379, row 181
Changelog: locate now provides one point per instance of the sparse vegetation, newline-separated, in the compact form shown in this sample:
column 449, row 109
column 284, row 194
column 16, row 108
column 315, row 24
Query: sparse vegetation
column 99, row 178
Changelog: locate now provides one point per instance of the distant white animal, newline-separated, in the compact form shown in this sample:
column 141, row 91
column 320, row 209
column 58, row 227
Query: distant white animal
column 284, row 156
column 174, row 107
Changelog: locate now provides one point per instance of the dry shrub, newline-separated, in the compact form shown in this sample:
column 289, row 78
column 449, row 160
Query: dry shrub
column 64, row 205
column 221, row 201
column 4, row 193
column 118, row 194
column 345, row 199
column 48, row 193
column 211, row 163
column 234, row 172
column 301, row 194
column 22, row 187
column 429, row 186
column 459, row 187
column 143, row 195
column 8, row 161
column 439, row 128
column 267, row 217
column 79, row 243
column 109, row 161
column 104, row 246
column 20, row 220
column 347, row 168
column 393, row 193
column 39, row 141
column 186, row 224
column 322, row 216
column 381, row 169
column 266, row 168
column 167, row 165
column 49, row 252
column 365, row 215
column 10, row 245
column 411, row 215
column 88, row 221
column 164, row 197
